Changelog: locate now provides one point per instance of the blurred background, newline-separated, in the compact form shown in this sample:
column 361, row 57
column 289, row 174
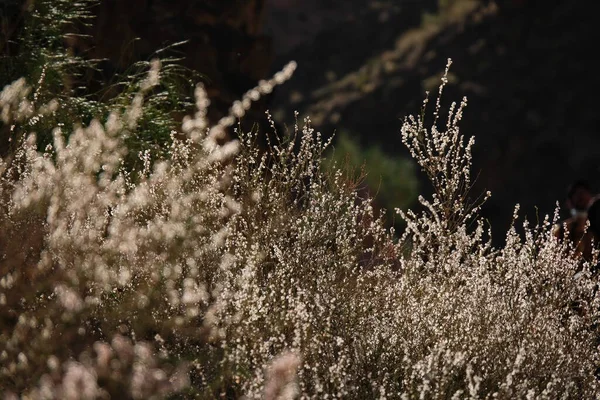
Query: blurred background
column 527, row 67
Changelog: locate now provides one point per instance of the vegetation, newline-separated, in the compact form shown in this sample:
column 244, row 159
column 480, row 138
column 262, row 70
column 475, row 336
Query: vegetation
column 390, row 181
column 40, row 42
column 217, row 269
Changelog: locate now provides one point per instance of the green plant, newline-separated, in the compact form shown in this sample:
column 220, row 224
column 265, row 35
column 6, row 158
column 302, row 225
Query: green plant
column 390, row 181
column 39, row 46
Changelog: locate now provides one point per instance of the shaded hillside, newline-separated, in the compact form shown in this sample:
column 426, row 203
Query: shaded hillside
column 526, row 68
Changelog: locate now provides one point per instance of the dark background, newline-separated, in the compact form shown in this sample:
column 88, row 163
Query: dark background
column 528, row 68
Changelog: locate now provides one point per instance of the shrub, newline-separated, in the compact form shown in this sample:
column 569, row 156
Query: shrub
column 222, row 270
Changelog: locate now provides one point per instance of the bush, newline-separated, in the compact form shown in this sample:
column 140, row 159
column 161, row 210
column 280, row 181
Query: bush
column 220, row 270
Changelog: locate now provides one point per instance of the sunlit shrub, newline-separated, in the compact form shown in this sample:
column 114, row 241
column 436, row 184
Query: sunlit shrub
column 224, row 270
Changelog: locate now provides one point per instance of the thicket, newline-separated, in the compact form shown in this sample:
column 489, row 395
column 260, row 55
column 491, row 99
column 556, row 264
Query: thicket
column 218, row 269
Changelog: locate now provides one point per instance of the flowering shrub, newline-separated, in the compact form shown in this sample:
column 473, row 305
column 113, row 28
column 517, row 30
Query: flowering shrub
column 223, row 270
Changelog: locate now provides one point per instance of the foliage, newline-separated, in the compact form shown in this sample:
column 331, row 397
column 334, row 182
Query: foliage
column 139, row 260
column 43, row 40
column 222, row 270
column 391, row 181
